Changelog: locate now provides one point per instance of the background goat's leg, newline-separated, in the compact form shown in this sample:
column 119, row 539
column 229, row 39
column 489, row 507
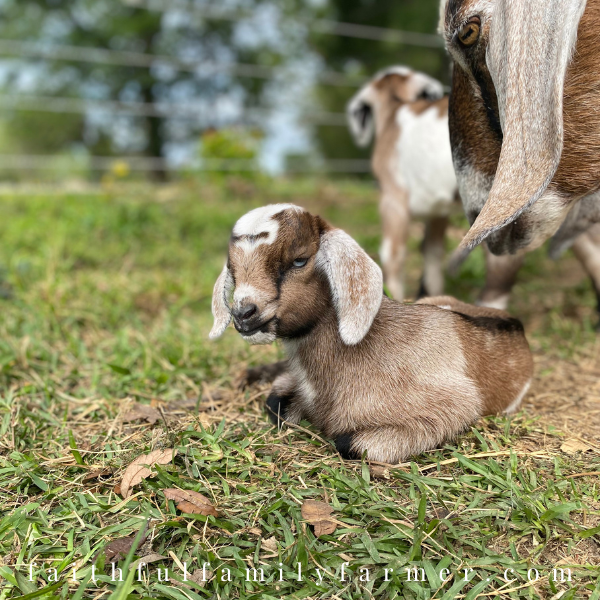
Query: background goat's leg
column 395, row 219
column 587, row 250
column 432, row 282
column 501, row 275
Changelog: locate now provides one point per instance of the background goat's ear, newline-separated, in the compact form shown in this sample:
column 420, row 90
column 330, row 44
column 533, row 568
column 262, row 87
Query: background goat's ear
column 356, row 284
column 220, row 308
column 530, row 46
column 426, row 88
column 361, row 123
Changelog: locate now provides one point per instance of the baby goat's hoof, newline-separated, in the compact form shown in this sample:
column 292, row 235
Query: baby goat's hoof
column 276, row 408
column 343, row 444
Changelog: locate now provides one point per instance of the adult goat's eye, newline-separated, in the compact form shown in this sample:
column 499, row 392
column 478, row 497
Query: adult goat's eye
column 468, row 34
column 300, row 262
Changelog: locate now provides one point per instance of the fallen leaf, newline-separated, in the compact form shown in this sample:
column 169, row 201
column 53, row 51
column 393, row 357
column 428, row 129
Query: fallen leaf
column 196, row 577
column 191, row 502
column 149, row 558
column 142, row 412
column 119, row 548
column 254, row 531
column 139, row 469
column 574, row 446
column 379, row 472
column 97, row 474
column 318, row 515
column 270, row 544
column 117, row 489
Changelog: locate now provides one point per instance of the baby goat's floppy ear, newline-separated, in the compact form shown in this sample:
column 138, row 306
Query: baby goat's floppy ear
column 360, row 121
column 220, row 307
column 356, row 283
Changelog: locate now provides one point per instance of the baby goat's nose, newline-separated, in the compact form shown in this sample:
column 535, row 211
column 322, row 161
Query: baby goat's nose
column 245, row 312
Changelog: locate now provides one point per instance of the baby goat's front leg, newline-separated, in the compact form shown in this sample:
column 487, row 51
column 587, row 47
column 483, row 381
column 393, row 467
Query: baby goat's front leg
column 281, row 403
column 391, row 444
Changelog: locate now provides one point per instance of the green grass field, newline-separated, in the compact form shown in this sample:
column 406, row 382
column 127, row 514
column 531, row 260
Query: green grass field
column 105, row 302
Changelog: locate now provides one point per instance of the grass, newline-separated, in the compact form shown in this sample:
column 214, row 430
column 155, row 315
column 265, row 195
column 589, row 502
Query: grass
column 105, row 301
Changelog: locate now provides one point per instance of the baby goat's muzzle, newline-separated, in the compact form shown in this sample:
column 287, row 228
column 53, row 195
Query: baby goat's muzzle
column 248, row 319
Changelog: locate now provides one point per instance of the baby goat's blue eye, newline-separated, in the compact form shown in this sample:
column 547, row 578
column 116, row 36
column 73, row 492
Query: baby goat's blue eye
column 300, row 262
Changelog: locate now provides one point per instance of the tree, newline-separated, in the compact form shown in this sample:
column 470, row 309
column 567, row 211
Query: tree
column 180, row 32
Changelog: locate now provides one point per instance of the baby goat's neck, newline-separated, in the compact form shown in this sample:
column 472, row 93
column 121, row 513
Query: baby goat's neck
column 319, row 344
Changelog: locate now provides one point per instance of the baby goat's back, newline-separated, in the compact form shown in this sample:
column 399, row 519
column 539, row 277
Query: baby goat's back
column 495, row 349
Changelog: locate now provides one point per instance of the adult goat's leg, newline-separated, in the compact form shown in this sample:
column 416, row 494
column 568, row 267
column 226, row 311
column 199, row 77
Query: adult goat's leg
column 587, row 250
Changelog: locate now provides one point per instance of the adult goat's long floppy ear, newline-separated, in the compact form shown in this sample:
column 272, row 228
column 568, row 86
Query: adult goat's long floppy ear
column 356, row 283
column 530, row 46
column 220, row 307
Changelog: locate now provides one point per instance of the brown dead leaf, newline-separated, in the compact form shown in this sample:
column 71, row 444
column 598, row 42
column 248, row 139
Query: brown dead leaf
column 191, row 502
column 139, row 469
column 318, row 514
column 574, row 446
column 197, row 577
column 270, row 544
column 97, row 474
column 142, row 412
column 379, row 472
column 118, row 549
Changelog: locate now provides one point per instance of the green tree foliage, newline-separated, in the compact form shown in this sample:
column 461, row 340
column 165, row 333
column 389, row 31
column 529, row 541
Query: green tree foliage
column 181, row 32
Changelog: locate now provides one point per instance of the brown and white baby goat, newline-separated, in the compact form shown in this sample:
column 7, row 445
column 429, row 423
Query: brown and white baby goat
column 407, row 114
column 375, row 375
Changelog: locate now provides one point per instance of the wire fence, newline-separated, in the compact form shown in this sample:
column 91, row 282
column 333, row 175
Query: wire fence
column 323, row 26
column 148, row 164
column 192, row 111
column 20, row 49
column 158, row 110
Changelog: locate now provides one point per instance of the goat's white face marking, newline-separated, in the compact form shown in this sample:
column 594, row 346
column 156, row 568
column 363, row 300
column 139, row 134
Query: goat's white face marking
column 253, row 226
column 248, row 293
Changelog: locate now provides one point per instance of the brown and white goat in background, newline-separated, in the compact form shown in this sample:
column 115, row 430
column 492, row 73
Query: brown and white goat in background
column 525, row 123
column 407, row 114
column 376, row 376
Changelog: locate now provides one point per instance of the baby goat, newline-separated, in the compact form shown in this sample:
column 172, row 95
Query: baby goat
column 377, row 376
column 407, row 114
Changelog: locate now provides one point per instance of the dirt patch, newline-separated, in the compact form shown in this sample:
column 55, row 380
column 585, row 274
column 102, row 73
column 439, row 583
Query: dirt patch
column 566, row 394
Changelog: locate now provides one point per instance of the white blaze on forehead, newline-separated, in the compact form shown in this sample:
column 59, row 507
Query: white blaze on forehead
column 397, row 70
column 260, row 221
